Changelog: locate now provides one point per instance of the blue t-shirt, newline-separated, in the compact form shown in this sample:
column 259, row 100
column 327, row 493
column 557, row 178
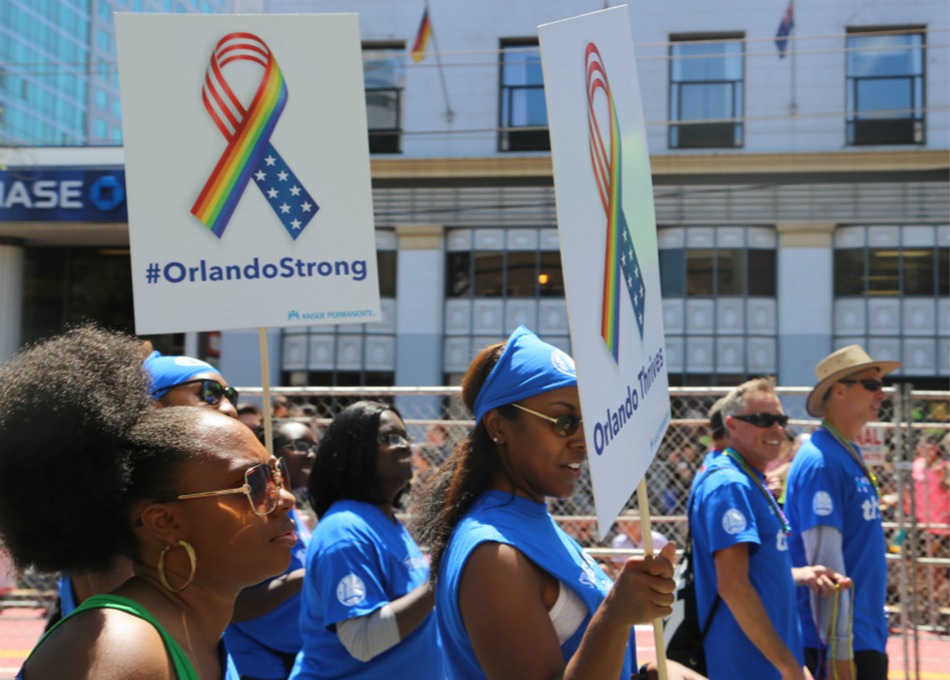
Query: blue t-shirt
column 358, row 561
column 827, row 487
column 256, row 645
column 728, row 509
column 502, row 518
column 705, row 463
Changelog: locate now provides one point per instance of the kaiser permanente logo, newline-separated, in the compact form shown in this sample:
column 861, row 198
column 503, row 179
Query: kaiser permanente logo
column 249, row 153
column 620, row 259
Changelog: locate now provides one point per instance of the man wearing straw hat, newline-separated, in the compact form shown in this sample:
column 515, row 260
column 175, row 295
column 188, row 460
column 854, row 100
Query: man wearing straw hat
column 833, row 504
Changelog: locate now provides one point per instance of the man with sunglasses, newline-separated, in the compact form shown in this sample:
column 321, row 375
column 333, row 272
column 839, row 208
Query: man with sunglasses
column 739, row 541
column 832, row 500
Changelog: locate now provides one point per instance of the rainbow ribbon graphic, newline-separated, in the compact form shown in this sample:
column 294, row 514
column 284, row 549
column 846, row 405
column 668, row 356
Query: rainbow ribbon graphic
column 248, row 131
column 620, row 259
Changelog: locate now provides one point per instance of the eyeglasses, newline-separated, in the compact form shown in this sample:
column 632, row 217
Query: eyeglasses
column 564, row 426
column 871, row 384
column 300, row 446
column 262, row 485
column 393, row 440
column 211, row 391
column 764, row 419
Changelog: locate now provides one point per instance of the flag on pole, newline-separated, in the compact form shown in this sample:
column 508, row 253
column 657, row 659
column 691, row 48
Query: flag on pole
column 422, row 38
column 785, row 29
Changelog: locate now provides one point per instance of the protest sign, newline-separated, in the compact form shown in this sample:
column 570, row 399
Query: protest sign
column 609, row 255
column 247, row 171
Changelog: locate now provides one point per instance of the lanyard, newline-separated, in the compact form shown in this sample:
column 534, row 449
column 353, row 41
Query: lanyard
column 849, row 447
column 783, row 520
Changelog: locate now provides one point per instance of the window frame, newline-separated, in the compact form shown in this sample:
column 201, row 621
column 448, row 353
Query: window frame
column 696, row 129
column 385, row 140
column 510, row 137
column 872, row 130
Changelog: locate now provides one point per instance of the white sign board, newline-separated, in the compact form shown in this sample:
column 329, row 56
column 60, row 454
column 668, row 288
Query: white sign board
column 609, row 252
column 247, row 170
column 871, row 442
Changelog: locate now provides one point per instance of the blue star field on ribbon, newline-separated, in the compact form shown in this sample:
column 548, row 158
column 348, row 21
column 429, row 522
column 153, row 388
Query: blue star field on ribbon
column 288, row 198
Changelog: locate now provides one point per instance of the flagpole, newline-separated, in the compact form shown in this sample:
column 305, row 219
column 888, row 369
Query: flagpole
column 794, row 105
column 449, row 113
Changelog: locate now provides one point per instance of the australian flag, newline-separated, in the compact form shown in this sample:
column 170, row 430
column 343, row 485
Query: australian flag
column 784, row 29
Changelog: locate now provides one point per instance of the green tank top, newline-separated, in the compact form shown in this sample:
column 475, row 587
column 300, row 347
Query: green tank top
column 183, row 668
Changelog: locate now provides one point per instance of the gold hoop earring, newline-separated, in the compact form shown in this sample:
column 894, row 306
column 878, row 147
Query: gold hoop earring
column 192, row 558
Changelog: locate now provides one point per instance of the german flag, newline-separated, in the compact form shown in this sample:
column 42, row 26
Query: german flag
column 422, row 38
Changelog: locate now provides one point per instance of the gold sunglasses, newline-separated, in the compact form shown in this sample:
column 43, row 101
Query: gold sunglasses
column 262, row 485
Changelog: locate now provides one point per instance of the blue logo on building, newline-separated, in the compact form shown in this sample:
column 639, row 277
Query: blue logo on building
column 62, row 195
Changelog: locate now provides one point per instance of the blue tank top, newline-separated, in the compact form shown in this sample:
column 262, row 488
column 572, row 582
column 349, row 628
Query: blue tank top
column 502, row 518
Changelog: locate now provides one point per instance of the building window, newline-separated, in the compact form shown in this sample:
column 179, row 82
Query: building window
column 523, row 115
column 386, row 268
column 348, row 355
column 496, row 280
column 706, row 92
column 892, row 295
column 384, row 73
column 892, row 271
column 717, row 271
column 885, row 88
column 504, row 274
column 719, row 287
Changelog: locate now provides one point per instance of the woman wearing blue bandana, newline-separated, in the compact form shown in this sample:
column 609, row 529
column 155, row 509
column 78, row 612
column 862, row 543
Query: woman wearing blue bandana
column 515, row 596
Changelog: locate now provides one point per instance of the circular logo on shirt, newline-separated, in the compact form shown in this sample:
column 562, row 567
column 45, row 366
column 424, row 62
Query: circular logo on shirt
column 733, row 521
column 563, row 362
column 350, row 590
column 821, row 504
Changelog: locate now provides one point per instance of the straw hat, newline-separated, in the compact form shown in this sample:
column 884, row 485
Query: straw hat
column 840, row 364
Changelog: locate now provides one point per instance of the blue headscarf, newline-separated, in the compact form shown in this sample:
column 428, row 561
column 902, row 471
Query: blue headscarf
column 169, row 371
column 527, row 367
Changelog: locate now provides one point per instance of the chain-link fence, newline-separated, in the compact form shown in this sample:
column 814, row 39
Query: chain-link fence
column 908, row 451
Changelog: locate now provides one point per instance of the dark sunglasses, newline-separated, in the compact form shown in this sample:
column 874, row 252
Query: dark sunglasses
column 211, row 391
column 764, row 419
column 871, row 384
column 564, row 426
column 262, row 485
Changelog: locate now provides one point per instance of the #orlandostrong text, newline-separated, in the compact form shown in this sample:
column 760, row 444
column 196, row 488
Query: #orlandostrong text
column 286, row 268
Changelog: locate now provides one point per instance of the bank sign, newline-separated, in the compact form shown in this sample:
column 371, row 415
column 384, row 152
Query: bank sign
column 62, row 195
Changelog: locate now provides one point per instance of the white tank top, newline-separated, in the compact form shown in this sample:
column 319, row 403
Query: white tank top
column 567, row 614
